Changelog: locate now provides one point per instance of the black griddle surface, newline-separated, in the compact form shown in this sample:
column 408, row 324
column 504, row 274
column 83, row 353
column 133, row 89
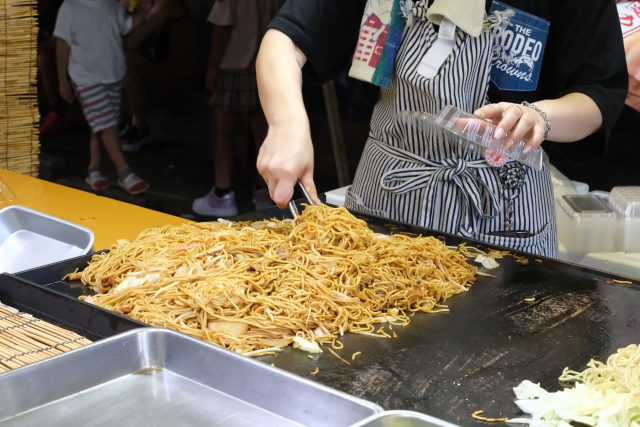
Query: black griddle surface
column 451, row 364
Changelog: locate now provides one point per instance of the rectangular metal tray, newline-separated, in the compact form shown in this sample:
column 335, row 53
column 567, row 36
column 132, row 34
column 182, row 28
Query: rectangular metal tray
column 402, row 419
column 163, row 378
column 31, row 239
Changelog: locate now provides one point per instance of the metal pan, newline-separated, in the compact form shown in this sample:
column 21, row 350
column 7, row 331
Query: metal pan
column 402, row 419
column 163, row 378
column 31, row 239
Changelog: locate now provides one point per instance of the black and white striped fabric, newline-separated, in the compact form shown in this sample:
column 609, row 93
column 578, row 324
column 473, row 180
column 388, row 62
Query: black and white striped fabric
column 417, row 175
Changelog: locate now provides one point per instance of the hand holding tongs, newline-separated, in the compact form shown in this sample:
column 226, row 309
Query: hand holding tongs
column 292, row 206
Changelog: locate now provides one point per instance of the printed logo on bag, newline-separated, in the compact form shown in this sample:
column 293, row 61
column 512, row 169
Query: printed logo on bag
column 519, row 40
column 629, row 14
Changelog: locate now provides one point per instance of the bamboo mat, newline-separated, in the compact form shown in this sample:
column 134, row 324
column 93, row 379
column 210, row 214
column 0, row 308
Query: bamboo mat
column 19, row 144
column 25, row 339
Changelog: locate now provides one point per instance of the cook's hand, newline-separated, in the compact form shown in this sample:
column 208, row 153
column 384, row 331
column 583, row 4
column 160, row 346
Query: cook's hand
column 286, row 156
column 516, row 120
column 66, row 92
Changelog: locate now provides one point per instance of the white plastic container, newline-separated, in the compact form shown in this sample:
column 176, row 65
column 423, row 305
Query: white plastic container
column 626, row 202
column 587, row 223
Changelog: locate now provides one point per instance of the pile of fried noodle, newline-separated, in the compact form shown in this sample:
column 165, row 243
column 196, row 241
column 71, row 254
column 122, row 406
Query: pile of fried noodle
column 255, row 288
column 617, row 382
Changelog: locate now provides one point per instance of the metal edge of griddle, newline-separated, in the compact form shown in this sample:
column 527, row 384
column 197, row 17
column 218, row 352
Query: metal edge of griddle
column 51, row 273
column 63, row 310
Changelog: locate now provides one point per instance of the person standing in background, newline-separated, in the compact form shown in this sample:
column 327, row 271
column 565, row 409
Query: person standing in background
column 53, row 118
column 231, row 76
column 89, row 48
column 161, row 57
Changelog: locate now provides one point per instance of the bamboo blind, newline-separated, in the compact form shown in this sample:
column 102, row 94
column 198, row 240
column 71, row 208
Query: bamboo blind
column 19, row 144
column 25, row 339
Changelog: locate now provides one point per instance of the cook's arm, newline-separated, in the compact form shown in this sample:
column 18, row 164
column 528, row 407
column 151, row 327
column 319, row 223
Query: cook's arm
column 287, row 153
column 572, row 117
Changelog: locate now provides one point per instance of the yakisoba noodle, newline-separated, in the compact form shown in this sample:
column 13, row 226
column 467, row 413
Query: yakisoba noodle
column 253, row 287
column 618, row 380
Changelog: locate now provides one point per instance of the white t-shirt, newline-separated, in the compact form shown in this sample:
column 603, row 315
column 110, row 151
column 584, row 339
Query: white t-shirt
column 94, row 30
column 250, row 19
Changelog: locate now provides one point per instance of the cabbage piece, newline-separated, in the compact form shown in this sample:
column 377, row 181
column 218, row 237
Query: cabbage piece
column 528, row 390
column 129, row 282
column 308, row 346
column 487, row 262
column 235, row 329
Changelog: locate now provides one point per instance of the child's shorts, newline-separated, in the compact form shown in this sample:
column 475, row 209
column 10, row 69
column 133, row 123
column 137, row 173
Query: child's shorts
column 237, row 90
column 100, row 104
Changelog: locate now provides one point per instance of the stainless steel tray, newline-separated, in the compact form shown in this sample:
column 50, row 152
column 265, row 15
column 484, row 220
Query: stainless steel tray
column 30, row 239
column 402, row 419
column 156, row 377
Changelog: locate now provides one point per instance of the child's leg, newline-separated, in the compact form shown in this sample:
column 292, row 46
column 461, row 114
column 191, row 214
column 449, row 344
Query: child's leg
column 111, row 142
column 223, row 141
column 259, row 127
column 95, row 150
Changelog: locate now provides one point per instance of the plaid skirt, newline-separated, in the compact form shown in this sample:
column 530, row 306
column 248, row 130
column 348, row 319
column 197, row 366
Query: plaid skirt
column 237, row 91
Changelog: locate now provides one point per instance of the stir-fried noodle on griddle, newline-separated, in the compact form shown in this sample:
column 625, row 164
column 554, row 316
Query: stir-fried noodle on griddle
column 255, row 287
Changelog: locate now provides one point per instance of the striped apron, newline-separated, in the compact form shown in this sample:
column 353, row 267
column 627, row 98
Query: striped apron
column 415, row 175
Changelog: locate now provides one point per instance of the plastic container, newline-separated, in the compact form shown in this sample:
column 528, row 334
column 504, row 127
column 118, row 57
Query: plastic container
column 587, row 223
column 626, row 202
column 561, row 184
column 477, row 134
column 30, row 239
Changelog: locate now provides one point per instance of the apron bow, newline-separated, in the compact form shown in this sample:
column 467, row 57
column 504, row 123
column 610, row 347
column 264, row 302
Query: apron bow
column 424, row 173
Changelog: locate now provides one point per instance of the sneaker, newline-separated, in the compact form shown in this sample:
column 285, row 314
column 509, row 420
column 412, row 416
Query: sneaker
column 97, row 181
column 212, row 205
column 133, row 184
column 261, row 198
column 52, row 122
column 133, row 138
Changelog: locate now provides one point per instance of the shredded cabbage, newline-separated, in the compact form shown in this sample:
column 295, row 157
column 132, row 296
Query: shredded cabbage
column 308, row 346
column 582, row 404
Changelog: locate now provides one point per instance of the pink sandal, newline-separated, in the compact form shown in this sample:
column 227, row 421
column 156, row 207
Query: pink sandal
column 133, row 184
column 97, row 181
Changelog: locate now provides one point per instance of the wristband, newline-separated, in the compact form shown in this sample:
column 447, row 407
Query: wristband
column 547, row 122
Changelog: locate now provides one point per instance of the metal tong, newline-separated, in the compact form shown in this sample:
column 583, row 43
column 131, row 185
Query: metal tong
column 292, row 206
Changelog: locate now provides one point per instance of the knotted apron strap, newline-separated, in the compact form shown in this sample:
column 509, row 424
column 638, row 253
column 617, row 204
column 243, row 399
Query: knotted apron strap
column 426, row 173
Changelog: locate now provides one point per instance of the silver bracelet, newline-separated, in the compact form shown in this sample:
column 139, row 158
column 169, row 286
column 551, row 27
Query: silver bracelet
column 547, row 122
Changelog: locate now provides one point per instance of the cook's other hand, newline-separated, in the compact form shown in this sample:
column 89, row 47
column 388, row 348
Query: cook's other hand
column 572, row 118
column 632, row 52
column 287, row 153
column 516, row 121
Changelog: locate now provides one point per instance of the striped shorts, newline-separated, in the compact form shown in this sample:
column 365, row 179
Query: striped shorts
column 100, row 104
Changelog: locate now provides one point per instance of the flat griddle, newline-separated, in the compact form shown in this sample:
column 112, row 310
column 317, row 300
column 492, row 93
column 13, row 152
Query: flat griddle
column 451, row 364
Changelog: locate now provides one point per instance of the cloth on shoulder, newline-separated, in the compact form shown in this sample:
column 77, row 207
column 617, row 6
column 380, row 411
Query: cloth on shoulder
column 382, row 26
